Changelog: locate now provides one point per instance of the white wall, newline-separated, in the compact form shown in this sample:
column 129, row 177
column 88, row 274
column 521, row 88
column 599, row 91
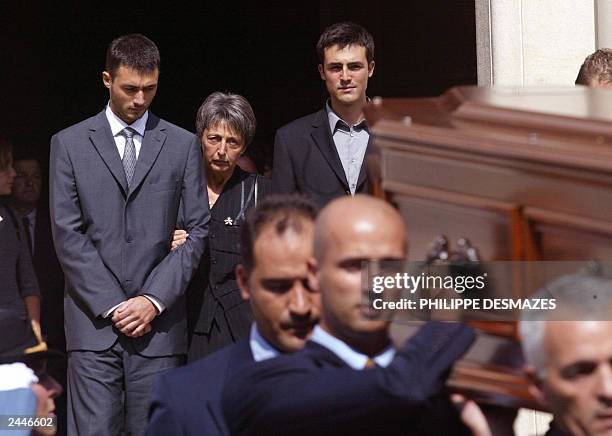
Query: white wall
column 537, row 42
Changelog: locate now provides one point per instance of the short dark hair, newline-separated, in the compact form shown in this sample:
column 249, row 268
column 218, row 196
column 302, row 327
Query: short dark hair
column 134, row 51
column 232, row 109
column 283, row 212
column 6, row 152
column 597, row 66
column 343, row 34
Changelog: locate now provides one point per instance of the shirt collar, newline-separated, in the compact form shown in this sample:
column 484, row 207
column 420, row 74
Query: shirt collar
column 335, row 122
column 117, row 124
column 32, row 215
column 261, row 349
column 351, row 357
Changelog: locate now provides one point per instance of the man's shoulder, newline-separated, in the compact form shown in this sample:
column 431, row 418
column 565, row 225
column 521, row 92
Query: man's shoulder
column 210, row 369
column 303, row 123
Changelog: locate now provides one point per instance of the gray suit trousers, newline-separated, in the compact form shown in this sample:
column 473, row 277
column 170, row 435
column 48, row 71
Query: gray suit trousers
column 109, row 391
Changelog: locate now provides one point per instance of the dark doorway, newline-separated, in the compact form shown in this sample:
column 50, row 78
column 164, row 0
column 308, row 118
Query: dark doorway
column 53, row 57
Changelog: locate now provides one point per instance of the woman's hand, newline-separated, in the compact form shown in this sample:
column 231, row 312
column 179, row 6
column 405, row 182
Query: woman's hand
column 178, row 238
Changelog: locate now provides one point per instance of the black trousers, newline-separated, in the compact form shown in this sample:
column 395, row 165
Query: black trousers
column 219, row 336
column 109, row 391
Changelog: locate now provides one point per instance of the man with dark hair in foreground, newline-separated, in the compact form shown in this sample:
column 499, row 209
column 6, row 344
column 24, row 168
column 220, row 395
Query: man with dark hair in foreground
column 116, row 182
column 276, row 246
column 322, row 389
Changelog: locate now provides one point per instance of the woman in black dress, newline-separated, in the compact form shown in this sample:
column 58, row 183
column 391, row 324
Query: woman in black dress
column 217, row 315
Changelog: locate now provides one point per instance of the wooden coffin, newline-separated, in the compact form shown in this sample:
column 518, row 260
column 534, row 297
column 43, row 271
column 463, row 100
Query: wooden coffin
column 524, row 174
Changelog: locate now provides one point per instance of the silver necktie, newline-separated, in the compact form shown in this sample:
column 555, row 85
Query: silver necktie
column 129, row 154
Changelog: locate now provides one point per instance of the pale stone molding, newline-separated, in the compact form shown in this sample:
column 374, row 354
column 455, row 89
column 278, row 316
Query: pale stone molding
column 536, row 42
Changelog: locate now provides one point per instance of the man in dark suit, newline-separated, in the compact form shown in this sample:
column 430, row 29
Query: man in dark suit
column 321, row 154
column 26, row 200
column 117, row 180
column 277, row 240
column 321, row 389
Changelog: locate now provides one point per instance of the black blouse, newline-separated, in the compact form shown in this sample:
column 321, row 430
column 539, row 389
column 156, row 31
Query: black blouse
column 215, row 281
column 17, row 276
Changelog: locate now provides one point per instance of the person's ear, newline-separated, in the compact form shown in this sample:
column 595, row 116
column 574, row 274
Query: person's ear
column 313, row 280
column 321, row 72
column 242, row 278
column 107, row 79
column 535, row 387
column 371, row 69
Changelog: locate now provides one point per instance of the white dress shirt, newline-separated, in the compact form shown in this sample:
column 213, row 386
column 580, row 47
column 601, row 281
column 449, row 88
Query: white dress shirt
column 351, row 142
column 261, row 349
column 117, row 125
column 351, row 357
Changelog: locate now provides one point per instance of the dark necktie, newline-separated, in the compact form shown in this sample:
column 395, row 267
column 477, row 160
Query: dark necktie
column 26, row 228
column 129, row 154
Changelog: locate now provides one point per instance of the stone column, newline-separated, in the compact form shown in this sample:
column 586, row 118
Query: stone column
column 535, row 42
column 603, row 23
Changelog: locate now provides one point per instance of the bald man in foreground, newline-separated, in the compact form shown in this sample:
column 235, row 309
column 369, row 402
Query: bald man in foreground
column 322, row 389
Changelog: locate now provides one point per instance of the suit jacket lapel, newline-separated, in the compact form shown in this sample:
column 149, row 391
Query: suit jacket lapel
column 102, row 138
column 152, row 143
column 322, row 137
column 362, row 170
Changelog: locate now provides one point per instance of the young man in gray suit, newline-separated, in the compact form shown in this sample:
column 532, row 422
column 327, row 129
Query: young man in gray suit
column 116, row 182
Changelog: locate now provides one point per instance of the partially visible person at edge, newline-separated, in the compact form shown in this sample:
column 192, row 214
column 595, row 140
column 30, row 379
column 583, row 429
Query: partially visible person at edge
column 596, row 70
column 569, row 355
column 19, row 290
column 27, row 390
column 29, row 203
column 217, row 315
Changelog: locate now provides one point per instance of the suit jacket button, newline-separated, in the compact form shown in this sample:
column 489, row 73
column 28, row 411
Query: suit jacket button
column 129, row 239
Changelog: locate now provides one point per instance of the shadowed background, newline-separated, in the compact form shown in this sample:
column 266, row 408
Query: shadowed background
column 52, row 58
